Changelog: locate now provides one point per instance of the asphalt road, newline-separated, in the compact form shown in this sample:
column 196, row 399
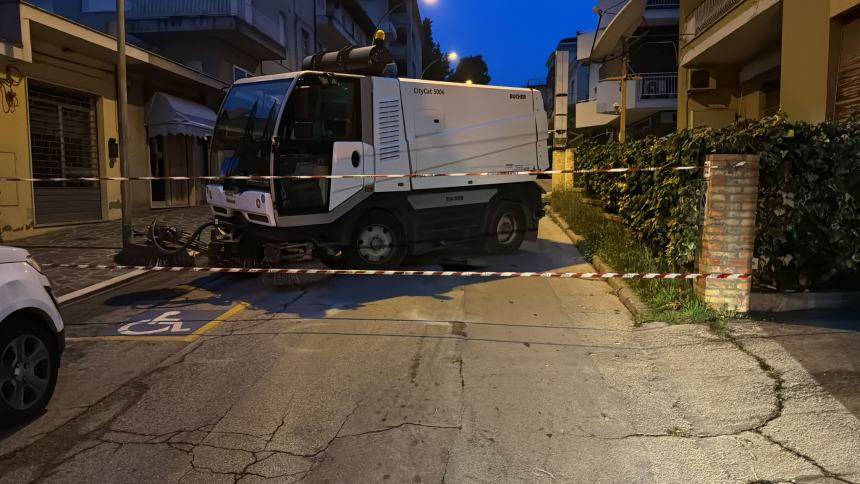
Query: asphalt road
column 189, row 378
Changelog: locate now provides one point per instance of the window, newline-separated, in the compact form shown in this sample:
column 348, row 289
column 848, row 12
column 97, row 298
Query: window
column 99, row 6
column 305, row 44
column 239, row 73
column 282, row 27
column 45, row 4
column 242, row 141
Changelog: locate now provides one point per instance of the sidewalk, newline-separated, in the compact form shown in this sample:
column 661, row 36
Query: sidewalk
column 97, row 243
column 826, row 342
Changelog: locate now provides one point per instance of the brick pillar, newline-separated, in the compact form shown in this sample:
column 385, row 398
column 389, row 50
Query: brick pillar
column 558, row 164
column 568, row 165
column 728, row 230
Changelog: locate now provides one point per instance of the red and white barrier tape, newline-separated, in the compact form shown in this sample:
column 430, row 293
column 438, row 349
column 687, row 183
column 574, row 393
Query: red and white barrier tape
column 357, row 176
column 358, row 272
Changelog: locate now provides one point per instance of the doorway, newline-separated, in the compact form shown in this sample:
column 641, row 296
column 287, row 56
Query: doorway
column 176, row 156
column 63, row 142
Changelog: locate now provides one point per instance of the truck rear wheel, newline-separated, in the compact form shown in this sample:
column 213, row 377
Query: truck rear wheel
column 378, row 242
column 506, row 229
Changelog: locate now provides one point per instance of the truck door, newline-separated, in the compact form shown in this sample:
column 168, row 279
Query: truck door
column 349, row 158
column 320, row 133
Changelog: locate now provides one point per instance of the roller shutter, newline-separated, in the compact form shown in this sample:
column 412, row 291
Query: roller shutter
column 848, row 80
column 64, row 144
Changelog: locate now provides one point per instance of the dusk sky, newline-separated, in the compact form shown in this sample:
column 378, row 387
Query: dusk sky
column 515, row 36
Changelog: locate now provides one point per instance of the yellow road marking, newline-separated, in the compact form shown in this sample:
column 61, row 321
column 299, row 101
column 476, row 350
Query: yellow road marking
column 217, row 321
column 211, row 325
column 160, row 339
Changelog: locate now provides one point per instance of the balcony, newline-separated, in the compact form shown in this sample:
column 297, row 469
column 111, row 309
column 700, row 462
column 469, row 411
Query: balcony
column 726, row 32
column 587, row 115
column 660, row 85
column 344, row 23
column 651, row 93
column 237, row 22
column 707, row 14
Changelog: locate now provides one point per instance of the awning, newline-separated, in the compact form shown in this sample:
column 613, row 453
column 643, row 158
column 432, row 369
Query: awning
column 623, row 24
column 166, row 114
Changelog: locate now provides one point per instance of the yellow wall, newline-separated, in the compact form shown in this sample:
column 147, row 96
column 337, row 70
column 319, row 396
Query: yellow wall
column 810, row 47
column 16, row 198
column 17, row 219
column 805, row 60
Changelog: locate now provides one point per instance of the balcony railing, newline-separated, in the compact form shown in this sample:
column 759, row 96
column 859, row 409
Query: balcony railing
column 663, row 4
column 660, row 85
column 244, row 9
column 707, row 14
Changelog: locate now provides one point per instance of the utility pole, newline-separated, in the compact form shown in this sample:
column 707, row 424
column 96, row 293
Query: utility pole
column 122, row 113
column 622, row 133
column 622, row 83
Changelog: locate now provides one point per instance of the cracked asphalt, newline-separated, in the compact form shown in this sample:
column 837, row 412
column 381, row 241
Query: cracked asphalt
column 425, row 380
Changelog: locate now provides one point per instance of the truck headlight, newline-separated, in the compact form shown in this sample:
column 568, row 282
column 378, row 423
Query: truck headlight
column 32, row 263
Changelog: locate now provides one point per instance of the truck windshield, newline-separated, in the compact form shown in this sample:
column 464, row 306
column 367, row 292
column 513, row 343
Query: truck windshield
column 242, row 142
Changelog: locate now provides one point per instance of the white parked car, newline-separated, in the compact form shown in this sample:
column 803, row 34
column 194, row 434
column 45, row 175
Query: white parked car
column 31, row 337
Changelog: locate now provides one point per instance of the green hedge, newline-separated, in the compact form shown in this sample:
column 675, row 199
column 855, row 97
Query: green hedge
column 809, row 206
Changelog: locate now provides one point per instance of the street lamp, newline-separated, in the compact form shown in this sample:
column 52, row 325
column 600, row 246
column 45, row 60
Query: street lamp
column 452, row 57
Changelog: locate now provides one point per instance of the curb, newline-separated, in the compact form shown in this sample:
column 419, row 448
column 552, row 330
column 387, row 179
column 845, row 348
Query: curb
column 75, row 296
column 624, row 292
column 566, row 228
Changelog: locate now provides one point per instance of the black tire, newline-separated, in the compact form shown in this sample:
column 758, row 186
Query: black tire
column 386, row 250
column 506, row 228
column 27, row 333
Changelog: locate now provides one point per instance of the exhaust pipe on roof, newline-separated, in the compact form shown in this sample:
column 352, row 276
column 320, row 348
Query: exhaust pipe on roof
column 373, row 60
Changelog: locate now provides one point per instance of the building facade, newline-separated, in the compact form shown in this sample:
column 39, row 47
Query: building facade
column 59, row 119
column 229, row 39
column 182, row 57
column 561, row 83
column 636, row 40
column 745, row 59
column 403, row 18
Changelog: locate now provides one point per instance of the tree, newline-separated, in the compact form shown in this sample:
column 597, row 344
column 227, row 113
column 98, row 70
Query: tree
column 472, row 68
column 432, row 55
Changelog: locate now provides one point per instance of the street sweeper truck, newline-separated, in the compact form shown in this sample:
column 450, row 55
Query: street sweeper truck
column 345, row 116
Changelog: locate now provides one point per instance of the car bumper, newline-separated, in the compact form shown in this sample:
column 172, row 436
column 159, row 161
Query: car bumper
column 61, row 340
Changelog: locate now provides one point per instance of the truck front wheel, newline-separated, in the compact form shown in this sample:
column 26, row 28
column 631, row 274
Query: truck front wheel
column 507, row 227
column 378, row 242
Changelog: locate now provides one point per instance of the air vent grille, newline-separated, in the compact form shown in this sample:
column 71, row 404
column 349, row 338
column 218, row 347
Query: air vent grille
column 390, row 130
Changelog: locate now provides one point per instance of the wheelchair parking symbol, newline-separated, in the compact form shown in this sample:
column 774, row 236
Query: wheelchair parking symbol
column 167, row 323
